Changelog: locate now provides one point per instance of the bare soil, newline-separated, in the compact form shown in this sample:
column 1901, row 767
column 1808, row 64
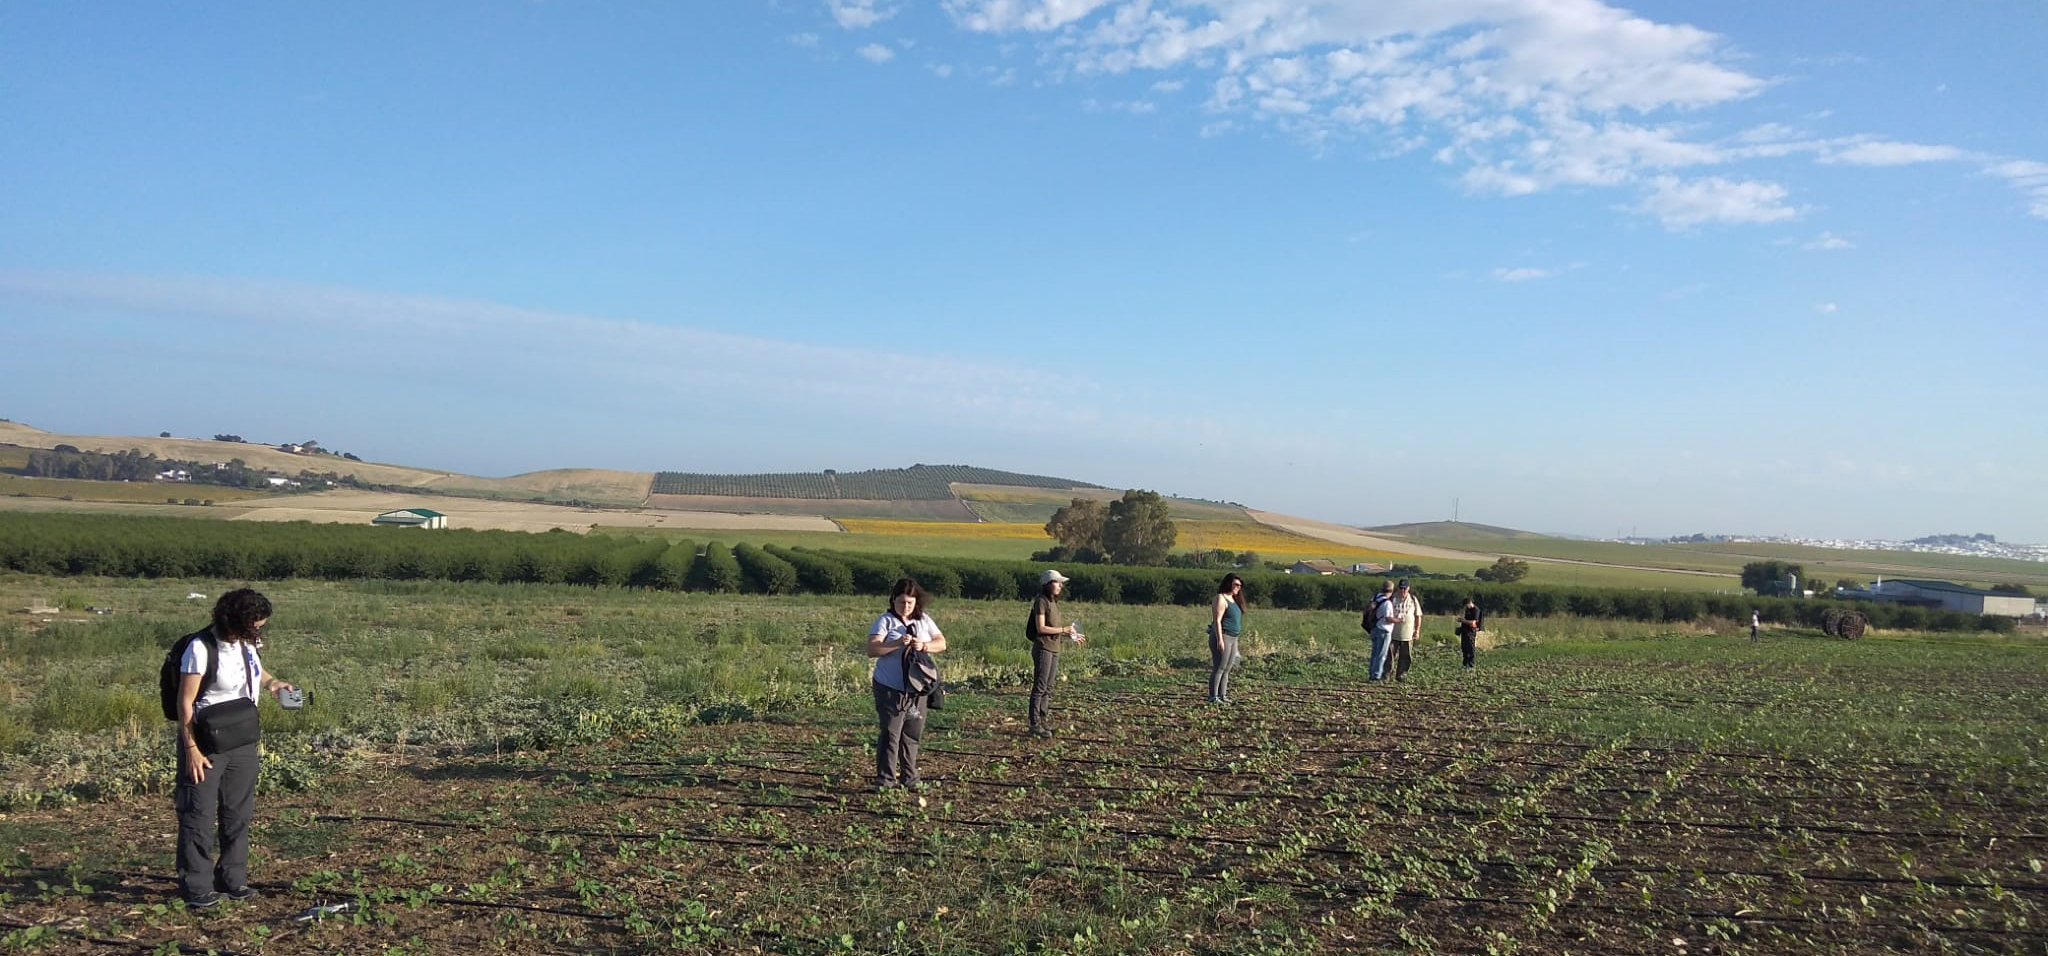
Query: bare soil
column 1345, row 819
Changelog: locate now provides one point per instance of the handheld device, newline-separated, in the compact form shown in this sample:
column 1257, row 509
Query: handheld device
column 293, row 698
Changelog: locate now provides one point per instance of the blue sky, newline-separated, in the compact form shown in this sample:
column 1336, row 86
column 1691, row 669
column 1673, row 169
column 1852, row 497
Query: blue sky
column 1738, row 267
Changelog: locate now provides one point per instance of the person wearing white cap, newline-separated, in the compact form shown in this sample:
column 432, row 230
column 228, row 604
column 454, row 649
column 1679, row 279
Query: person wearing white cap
column 1046, row 631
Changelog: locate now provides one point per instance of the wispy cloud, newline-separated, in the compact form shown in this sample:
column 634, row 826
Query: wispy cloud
column 860, row 14
column 876, row 53
column 1523, row 274
column 342, row 334
column 2030, row 178
column 1827, row 241
column 1825, row 308
column 1520, row 96
column 1682, row 204
column 1882, row 153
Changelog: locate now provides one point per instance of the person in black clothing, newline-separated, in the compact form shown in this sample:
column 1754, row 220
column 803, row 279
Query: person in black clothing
column 1468, row 631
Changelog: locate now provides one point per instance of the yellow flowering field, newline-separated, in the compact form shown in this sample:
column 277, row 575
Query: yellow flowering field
column 945, row 529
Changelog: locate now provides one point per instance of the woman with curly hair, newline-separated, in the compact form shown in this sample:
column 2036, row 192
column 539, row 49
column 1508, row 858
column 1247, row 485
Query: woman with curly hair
column 220, row 677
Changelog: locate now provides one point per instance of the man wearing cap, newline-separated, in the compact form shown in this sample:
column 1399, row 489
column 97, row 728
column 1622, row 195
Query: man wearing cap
column 1046, row 632
column 1381, row 633
column 1403, row 616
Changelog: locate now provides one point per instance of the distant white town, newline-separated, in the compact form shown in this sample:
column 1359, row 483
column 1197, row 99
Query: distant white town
column 1975, row 545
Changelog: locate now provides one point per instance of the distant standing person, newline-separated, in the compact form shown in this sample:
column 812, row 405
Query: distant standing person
column 903, row 630
column 1404, row 615
column 1756, row 623
column 1047, row 633
column 1468, row 631
column 217, row 740
column 1382, row 632
column 1226, row 622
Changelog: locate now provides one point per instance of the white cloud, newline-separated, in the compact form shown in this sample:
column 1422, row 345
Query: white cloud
column 860, row 14
column 1828, row 241
column 1884, row 153
column 806, row 40
column 1001, row 16
column 1825, row 308
column 1682, row 204
column 876, row 53
column 2030, row 178
column 1519, row 96
column 1167, row 86
column 1523, row 274
column 941, row 70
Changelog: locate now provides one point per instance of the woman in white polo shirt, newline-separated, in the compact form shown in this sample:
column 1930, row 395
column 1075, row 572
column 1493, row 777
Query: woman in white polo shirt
column 899, row 712
column 217, row 740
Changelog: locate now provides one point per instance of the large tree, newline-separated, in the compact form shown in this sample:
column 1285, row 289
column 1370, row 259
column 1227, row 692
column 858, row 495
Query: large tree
column 1761, row 576
column 1078, row 526
column 1504, row 571
column 1138, row 529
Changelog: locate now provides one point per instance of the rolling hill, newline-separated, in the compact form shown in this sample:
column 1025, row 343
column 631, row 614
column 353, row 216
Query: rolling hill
column 1454, row 531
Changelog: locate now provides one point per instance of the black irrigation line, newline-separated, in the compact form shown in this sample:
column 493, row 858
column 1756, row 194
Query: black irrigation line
column 1325, row 850
column 1452, row 809
column 148, row 947
column 1898, row 772
column 1931, row 779
column 1190, row 874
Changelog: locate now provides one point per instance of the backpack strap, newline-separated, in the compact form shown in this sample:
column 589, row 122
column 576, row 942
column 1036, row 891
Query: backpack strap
column 212, row 675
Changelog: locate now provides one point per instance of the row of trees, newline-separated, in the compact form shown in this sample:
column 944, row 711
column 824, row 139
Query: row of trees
column 62, row 544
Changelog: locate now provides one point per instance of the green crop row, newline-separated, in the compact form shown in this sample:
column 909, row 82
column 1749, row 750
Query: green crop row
column 70, row 544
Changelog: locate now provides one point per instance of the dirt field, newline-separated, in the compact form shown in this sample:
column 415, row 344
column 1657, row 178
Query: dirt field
column 358, row 507
column 1359, row 539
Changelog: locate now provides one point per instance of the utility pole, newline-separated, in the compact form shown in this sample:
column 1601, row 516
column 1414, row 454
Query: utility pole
column 1454, row 511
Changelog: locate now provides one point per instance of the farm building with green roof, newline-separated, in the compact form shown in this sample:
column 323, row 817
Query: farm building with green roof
column 412, row 518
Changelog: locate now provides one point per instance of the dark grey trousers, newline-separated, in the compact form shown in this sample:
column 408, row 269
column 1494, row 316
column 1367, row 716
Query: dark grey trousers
column 1403, row 654
column 901, row 720
column 1222, row 657
column 1045, row 666
column 221, row 805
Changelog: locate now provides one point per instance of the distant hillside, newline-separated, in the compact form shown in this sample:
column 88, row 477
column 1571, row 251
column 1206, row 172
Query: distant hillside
column 1453, row 531
column 915, row 483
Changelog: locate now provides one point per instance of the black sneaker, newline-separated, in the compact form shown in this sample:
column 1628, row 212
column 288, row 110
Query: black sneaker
column 202, row 901
column 1040, row 732
column 240, row 893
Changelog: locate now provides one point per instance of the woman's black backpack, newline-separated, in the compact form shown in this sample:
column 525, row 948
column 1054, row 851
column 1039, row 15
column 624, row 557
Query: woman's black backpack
column 167, row 679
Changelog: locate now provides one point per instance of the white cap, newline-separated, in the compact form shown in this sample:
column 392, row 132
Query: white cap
column 1050, row 576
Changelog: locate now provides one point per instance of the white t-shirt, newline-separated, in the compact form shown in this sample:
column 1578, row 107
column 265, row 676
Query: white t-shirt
column 892, row 630
column 240, row 675
column 1403, row 607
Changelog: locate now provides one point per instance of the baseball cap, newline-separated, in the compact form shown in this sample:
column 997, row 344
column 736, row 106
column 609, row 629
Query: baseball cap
column 1050, row 576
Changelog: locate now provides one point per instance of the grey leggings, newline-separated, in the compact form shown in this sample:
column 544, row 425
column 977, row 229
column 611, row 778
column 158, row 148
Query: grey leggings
column 1222, row 657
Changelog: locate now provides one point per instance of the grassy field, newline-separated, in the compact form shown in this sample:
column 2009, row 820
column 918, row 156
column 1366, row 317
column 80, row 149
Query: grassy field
column 552, row 769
